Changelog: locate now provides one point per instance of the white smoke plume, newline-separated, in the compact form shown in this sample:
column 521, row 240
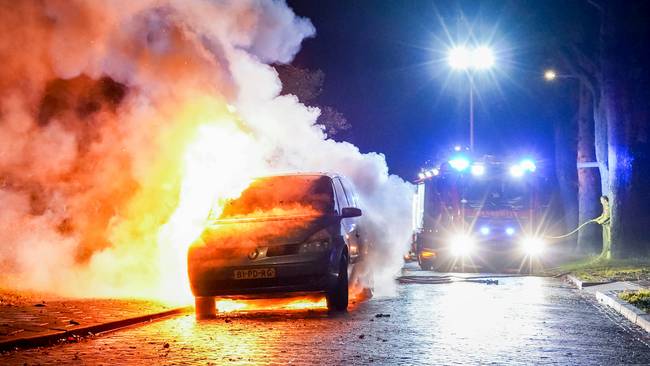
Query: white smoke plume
column 121, row 121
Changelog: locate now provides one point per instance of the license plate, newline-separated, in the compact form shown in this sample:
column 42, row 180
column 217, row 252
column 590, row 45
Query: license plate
column 251, row 274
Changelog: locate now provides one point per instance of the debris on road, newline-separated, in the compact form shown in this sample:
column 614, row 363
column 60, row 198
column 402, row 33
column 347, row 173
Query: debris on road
column 381, row 315
column 65, row 320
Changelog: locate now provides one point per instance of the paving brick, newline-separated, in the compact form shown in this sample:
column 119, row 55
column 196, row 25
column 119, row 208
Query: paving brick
column 521, row 321
column 63, row 315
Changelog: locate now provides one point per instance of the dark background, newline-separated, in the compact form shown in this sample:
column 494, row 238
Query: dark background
column 386, row 70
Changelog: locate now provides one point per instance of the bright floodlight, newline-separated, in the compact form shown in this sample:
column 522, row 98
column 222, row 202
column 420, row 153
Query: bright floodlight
column 478, row 169
column 516, row 171
column 482, row 58
column 435, row 171
column 461, row 245
column 460, row 58
column 459, row 163
column 427, row 174
column 532, row 246
column 550, row 75
column 421, row 175
column 510, row 231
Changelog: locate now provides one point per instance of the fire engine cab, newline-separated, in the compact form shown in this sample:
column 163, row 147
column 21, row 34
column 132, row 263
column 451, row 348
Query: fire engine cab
column 479, row 213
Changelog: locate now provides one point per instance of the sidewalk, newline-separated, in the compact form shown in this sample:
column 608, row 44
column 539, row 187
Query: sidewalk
column 607, row 294
column 29, row 320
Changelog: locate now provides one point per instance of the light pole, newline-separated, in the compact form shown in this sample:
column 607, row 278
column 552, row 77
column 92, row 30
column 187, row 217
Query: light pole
column 471, row 60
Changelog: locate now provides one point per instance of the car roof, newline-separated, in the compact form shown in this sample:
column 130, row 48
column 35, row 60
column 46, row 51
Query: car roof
column 324, row 174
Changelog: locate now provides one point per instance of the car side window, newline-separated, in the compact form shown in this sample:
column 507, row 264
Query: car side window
column 340, row 194
column 349, row 193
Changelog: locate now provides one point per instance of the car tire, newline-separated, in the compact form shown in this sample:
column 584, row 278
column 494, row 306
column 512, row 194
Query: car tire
column 205, row 307
column 337, row 296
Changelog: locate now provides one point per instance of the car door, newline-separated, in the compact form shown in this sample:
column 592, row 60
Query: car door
column 349, row 225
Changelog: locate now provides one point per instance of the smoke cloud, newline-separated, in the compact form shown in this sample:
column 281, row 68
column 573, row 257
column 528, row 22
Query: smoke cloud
column 121, row 122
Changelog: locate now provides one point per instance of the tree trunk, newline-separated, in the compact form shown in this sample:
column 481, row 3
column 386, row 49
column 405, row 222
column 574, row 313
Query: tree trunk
column 589, row 238
column 624, row 98
column 565, row 170
column 600, row 140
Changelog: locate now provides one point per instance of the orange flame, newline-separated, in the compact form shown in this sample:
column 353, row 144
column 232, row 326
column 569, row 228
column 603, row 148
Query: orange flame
column 293, row 303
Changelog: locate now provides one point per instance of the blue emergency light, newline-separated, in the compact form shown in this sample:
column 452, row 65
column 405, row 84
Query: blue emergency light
column 528, row 164
column 459, row 163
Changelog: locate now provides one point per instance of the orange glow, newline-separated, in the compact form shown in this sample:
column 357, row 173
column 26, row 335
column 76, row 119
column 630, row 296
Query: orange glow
column 357, row 295
column 428, row 254
column 116, row 147
column 294, row 303
column 215, row 132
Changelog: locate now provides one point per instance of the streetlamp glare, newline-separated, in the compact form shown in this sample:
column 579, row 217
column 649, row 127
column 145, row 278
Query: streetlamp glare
column 550, row 75
column 483, row 58
column 460, row 58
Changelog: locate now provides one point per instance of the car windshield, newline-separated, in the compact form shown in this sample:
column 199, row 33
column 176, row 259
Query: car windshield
column 283, row 195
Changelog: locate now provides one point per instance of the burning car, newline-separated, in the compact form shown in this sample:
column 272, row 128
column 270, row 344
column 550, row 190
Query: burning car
column 284, row 235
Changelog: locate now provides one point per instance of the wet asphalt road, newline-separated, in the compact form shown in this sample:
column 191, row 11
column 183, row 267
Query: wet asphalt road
column 520, row 321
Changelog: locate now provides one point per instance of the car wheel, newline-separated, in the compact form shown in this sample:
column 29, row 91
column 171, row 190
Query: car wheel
column 205, row 307
column 337, row 296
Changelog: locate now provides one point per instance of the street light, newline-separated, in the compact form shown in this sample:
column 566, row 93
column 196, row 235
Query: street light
column 550, row 75
column 478, row 58
column 483, row 58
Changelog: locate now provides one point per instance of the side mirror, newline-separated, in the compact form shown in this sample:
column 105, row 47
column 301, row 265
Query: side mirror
column 350, row 212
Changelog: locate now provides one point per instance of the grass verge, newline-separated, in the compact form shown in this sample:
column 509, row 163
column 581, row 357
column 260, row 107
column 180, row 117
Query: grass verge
column 640, row 298
column 597, row 269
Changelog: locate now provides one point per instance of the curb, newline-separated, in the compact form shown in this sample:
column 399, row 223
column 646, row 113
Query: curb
column 53, row 337
column 631, row 312
column 581, row 284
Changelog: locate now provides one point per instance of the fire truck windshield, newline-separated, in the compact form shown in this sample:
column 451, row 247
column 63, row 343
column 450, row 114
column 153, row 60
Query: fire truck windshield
column 495, row 194
column 486, row 193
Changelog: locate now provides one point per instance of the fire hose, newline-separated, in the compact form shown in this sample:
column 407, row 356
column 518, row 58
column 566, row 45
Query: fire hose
column 434, row 280
column 573, row 231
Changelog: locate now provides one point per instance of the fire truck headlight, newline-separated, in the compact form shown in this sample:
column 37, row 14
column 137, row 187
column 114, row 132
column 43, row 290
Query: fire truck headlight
column 533, row 246
column 461, row 245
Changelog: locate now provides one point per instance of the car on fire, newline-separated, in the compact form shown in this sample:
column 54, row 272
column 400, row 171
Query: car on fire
column 284, row 235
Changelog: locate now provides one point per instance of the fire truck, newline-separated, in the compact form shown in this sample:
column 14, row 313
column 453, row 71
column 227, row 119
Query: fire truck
column 479, row 213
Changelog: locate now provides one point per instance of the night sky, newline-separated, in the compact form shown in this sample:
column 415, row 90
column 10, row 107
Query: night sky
column 386, row 70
